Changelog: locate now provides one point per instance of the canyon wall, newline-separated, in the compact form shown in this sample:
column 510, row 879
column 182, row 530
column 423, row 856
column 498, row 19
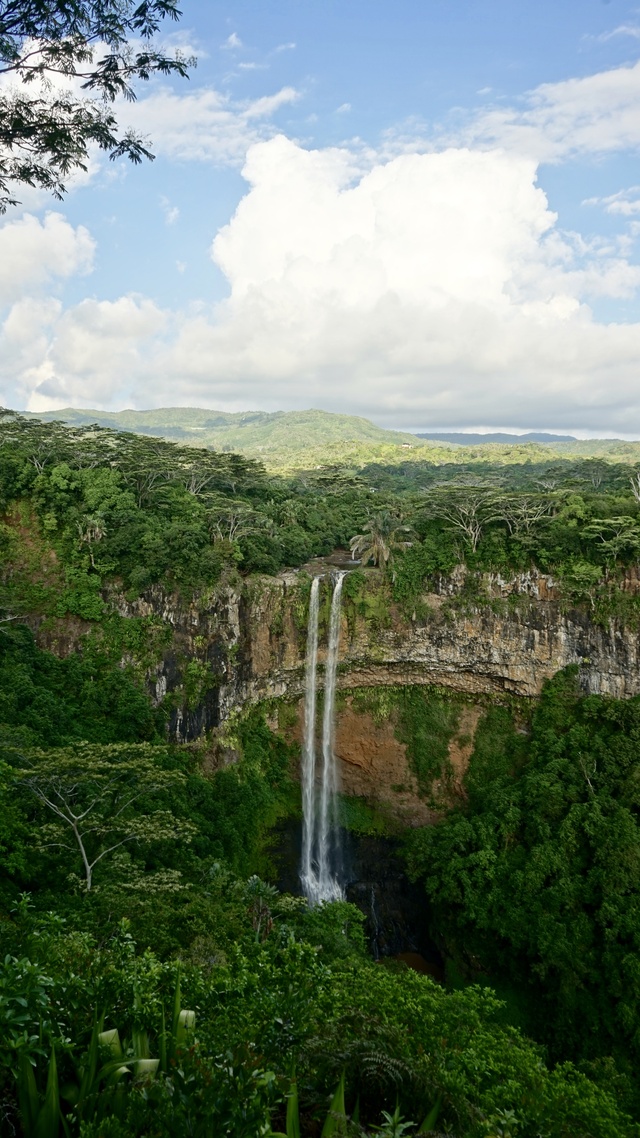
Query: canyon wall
column 510, row 639
column 244, row 643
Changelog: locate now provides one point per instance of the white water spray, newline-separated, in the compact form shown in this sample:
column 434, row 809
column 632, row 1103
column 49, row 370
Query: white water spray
column 320, row 869
column 309, row 744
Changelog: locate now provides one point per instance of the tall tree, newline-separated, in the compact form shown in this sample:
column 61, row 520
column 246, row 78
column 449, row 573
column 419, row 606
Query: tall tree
column 94, row 793
column 380, row 539
column 52, row 47
column 466, row 510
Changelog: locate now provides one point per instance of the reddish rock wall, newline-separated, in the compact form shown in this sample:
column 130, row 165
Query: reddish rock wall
column 373, row 763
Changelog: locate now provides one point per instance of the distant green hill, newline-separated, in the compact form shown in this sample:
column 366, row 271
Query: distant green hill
column 250, row 432
column 294, row 440
column 467, row 438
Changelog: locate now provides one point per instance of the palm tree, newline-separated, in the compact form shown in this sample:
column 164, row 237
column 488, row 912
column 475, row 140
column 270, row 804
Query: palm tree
column 91, row 530
column 380, row 539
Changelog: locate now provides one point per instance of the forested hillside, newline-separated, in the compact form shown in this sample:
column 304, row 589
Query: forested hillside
column 280, row 438
column 119, row 506
column 298, row 440
column 155, row 982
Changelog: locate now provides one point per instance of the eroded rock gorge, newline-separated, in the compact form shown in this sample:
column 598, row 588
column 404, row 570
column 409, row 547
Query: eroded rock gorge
column 511, row 640
column 245, row 643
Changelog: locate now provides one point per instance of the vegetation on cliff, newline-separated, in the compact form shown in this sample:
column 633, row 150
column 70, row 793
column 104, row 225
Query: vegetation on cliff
column 173, row 930
column 84, row 507
column 532, row 878
column 273, row 985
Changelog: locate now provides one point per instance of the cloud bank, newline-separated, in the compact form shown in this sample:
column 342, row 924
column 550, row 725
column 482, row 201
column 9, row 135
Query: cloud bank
column 33, row 253
column 432, row 289
column 206, row 125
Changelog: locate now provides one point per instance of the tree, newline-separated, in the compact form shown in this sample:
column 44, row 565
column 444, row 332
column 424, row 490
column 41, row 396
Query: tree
column 91, row 531
column 522, row 512
column 616, row 536
column 466, row 511
column 93, row 790
column 380, row 539
column 535, row 876
column 231, row 520
column 46, row 128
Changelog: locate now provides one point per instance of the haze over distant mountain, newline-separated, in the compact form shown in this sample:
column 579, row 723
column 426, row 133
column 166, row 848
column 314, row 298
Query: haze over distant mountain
column 464, row 438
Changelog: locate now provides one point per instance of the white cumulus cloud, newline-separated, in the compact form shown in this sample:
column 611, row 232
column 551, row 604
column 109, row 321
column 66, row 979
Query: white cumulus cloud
column 434, row 289
column 594, row 114
column 34, row 252
column 624, row 202
column 206, row 125
column 97, row 349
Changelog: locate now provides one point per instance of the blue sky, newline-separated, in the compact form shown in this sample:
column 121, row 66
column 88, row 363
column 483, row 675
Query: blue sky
column 423, row 212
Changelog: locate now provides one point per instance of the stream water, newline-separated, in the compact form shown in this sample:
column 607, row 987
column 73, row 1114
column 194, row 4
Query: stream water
column 324, row 863
column 321, row 867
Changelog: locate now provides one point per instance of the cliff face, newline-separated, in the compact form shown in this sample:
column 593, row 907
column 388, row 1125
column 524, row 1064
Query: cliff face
column 252, row 641
column 245, row 643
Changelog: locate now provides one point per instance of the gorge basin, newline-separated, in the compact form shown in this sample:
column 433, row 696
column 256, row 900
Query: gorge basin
column 396, row 910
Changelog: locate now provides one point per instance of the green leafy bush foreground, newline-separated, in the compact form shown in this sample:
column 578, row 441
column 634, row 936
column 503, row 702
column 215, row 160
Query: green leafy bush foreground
column 272, row 1003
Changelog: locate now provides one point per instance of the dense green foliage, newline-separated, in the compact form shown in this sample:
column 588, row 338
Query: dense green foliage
column 87, row 506
column 143, row 859
column 292, row 988
column 52, row 701
column 225, row 817
column 273, row 985
column 536, row 877
column 83, row 507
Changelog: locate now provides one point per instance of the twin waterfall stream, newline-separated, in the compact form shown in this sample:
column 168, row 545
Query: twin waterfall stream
column 321, row 865
column 371, row 874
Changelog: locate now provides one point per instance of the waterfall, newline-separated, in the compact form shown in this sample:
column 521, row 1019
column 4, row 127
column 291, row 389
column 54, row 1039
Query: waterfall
column 309, row 743
column 320, row 868
column 328, row 830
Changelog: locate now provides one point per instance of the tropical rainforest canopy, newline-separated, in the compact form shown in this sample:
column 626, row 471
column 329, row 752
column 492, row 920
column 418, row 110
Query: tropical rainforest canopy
column 155, row 982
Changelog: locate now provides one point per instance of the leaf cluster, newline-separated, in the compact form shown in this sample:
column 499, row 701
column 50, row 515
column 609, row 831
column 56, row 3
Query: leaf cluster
column 52, row 48
column 86, row 505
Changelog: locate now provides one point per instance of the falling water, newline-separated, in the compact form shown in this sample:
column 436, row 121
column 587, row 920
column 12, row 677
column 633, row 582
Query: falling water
column 328, row 831
column 309, row 744
column 321, row 835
